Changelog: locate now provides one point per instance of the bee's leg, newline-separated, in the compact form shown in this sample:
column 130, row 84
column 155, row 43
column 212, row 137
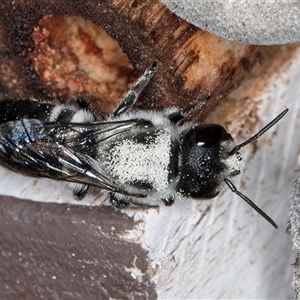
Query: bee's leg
column 121, row 201
column 132, row 95
column 176, row 116
column 84, row 104
column 118, row 200
column 179, row 115
column 81, row 101
column 168, row 201
column 79, row 190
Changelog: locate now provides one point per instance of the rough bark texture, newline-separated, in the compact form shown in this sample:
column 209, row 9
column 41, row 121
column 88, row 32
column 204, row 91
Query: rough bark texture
column 194, row 67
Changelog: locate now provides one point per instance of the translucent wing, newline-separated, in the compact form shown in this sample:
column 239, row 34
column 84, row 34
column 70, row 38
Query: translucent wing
column 61, row 152
column 87, row 137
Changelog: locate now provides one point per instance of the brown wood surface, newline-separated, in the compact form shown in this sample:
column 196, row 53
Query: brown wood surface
column 195, row 67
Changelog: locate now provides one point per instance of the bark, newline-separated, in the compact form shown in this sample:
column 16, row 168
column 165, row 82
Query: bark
column 195, row 67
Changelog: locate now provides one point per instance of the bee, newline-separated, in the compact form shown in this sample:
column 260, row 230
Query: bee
column 133, row 155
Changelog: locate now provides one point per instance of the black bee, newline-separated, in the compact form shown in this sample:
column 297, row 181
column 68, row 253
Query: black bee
column 134, row 155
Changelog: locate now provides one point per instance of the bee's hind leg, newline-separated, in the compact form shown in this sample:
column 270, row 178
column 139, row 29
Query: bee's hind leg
column 118, row 200
column 132, row 95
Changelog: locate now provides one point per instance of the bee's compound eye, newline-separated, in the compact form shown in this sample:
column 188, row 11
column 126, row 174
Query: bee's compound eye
column 211, row 134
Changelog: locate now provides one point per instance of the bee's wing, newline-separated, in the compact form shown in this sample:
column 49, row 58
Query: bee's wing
column 87, row 137
column 27, row 146
column 58, row 162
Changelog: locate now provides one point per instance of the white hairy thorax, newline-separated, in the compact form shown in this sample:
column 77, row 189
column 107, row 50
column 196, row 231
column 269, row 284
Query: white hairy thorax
column 131, row 161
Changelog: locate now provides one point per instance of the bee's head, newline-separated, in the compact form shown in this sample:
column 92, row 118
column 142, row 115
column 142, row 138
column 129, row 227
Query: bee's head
column 206, row 159
column 209, row 157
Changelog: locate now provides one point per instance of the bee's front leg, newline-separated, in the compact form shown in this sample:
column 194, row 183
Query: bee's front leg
column 122, row 201
column 168, row 201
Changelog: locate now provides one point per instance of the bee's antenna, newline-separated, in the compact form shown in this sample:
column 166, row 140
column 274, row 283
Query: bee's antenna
column 260, row 133
column 254, row 206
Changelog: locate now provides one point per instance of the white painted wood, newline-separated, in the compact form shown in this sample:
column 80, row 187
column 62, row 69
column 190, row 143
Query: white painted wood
column 222, row 249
